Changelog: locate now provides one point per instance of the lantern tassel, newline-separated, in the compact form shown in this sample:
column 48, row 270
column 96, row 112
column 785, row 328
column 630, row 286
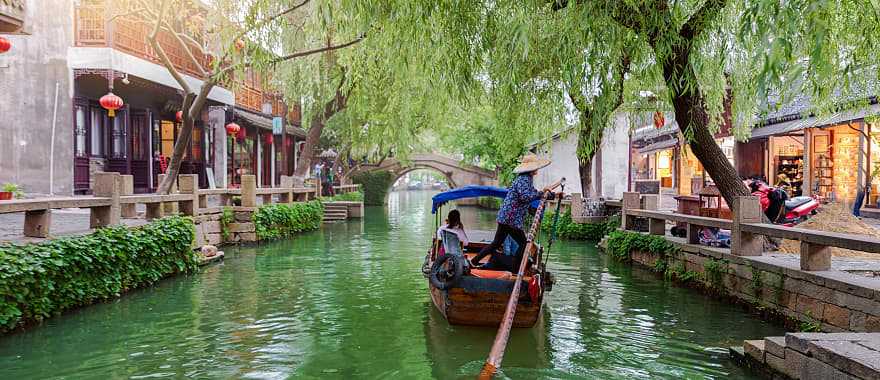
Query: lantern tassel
column 111, row 113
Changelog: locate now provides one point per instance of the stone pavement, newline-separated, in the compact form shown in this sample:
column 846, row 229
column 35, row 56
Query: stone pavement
column 814, row 356
column 65, row 222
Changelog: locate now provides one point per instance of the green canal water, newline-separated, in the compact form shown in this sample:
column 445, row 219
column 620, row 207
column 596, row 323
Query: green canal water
column 349, row 301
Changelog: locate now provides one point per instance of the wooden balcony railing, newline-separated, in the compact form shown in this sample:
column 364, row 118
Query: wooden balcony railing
column 129, row 34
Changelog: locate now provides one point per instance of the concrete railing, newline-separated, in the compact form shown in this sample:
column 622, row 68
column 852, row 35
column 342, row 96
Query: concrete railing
column 346, row 188
column 114, row 200
column 746, row 230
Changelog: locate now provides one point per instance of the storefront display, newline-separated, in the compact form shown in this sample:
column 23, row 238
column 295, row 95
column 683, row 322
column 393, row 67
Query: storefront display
column 664, row 168
column 789, row 165
column 845, row 152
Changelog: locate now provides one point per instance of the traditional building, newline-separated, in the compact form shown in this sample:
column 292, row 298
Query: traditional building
column 78, row 49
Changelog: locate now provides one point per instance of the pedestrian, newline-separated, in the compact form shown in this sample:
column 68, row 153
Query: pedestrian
column 516, row 203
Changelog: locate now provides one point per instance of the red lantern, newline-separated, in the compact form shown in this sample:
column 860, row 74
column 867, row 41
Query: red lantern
column 659, row 120
column 5, row 45
column 241, row 135
column 232, row 129
column 179, row 116
column 269, row 139
column 111, row 102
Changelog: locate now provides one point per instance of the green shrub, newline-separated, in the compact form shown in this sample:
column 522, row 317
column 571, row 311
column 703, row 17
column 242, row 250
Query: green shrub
column 39, row 280
column 566, row 228
column 275, row 221
column 621, row 243
column 491, row 203
column 354, row 196
column 226, row 218
column 375, row 186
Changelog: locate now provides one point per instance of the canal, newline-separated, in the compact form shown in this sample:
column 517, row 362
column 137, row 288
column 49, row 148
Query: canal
column 350, row 301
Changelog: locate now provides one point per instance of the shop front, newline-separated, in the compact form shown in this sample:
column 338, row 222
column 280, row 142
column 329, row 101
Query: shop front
column 260, row 150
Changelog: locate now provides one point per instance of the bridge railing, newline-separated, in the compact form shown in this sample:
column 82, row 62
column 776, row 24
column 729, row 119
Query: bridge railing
column 747, row 231
column 342, row 189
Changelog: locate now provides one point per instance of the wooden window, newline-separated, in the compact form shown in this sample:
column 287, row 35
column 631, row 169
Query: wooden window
column 97, row 132
column 166, row 137
column 118, row 135
column 196, row 144
column 79, row 131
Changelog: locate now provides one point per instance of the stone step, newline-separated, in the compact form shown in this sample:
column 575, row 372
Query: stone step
column 813, row 356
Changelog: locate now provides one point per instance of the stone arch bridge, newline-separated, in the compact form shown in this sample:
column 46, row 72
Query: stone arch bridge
column 456, row 173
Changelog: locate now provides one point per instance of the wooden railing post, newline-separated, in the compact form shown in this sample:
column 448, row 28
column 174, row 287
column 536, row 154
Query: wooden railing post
column 630, row 201
column 128, row 210
column 107, row 185
column 746, row 209
column 248, row 190
column 655, row 226
column 189, row 184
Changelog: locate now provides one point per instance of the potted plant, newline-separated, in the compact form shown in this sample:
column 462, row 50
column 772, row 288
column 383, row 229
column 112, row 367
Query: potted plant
column 9, row 191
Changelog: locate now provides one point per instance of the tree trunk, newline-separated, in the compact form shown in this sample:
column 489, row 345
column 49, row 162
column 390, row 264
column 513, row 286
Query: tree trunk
column 585, row 169
column 332, row 107
column 690, row 112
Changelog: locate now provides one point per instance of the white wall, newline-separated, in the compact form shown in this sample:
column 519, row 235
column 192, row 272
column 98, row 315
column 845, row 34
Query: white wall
column 614, row 160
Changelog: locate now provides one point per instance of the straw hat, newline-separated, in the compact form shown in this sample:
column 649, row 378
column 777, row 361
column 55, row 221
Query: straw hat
column 530, row 163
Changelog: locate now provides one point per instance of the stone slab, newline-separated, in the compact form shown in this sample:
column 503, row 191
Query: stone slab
column 775, row 345
column 241, row 227
column 847, row 356
column 755, row 349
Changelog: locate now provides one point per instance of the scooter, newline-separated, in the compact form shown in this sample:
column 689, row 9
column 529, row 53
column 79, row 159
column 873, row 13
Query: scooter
column 797, row 210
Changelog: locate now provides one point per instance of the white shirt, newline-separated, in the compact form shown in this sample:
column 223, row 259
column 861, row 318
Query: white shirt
column 462, row 236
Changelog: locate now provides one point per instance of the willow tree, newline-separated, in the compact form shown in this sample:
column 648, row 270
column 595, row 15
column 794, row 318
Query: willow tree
column 716, row 62
column 237, row 35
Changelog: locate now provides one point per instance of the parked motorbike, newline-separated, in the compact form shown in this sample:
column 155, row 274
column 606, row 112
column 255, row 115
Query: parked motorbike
column 797, row 210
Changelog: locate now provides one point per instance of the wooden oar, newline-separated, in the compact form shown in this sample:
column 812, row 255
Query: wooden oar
column 497, row 353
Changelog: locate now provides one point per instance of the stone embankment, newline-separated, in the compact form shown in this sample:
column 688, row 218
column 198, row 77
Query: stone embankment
column 808, row 356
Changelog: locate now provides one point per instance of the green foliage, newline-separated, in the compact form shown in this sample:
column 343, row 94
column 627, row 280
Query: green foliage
column 39, row 280
column 680, row 273
column 810, row 324
column 714, row 272
column 275, row 221
column 757, row 284
column 354, row 196
column 13, row 188
column 375, row 185
column 226, row 218
column 621, row 243
column 566, row 228
column 491, row 203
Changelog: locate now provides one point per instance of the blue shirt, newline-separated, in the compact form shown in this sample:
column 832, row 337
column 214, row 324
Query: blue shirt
column 519, row 195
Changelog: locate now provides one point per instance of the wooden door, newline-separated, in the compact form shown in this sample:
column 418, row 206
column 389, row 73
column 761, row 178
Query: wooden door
column 81, row 139
column 140, row 121
column 118, row 159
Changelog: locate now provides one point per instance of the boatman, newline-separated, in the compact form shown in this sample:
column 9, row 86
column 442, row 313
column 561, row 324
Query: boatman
column 520, row 195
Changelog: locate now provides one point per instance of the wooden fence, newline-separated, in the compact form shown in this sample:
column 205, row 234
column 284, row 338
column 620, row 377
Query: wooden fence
column 346, row 188
column 114, row 199
column 746, row 230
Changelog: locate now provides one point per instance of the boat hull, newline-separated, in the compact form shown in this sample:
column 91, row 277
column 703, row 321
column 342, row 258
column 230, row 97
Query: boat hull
column 482, row 302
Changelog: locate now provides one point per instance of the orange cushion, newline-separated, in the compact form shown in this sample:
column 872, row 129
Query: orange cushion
column 496, row 274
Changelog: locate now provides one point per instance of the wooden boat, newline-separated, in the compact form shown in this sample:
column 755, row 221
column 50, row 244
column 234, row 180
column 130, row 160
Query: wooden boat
column 478, row 297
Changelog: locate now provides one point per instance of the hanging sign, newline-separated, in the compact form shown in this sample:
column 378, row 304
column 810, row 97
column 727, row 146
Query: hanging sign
column 277, row 126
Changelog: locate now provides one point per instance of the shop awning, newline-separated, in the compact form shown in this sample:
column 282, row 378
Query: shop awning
column 658, row 146
column 264, row 122
column 812, row 122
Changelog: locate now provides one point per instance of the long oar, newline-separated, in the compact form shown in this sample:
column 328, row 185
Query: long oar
column 500, row 344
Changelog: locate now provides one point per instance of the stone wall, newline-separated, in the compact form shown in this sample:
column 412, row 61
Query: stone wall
column 209, row 227
column 833, row 301
column 30, row 72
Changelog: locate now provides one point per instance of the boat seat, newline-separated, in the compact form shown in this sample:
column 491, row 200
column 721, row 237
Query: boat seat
column 451, row 244
column 489, row 273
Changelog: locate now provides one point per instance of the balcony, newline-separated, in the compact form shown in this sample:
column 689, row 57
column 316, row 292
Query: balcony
column 93, row 28
column 11, row 15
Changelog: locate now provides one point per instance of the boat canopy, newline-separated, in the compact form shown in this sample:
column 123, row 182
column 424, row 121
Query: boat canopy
column 471, row 191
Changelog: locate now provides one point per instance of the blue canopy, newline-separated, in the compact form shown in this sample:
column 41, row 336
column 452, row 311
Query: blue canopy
column 472, row 191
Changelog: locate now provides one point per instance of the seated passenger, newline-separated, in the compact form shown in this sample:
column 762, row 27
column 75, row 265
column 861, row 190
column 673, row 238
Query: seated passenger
column 454, row 229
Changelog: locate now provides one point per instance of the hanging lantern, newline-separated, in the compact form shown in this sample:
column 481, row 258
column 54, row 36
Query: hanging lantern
column 111, row 102
column 5, row 45
column 179, row 116
column 659, row 120
column 241, row 135
column 269, row 139
column 232, row 129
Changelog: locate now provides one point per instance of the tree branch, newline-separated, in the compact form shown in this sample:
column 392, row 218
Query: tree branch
column 318, row 50
column 702, row 19
column 161, row 52
column 189, row 52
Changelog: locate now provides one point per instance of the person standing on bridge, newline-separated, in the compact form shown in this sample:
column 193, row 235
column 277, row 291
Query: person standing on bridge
column 520, row 195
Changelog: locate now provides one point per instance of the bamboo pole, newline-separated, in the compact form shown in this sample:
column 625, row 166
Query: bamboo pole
column 496, row 354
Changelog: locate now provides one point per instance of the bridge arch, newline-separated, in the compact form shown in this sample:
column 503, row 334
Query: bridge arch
column 456, row 173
